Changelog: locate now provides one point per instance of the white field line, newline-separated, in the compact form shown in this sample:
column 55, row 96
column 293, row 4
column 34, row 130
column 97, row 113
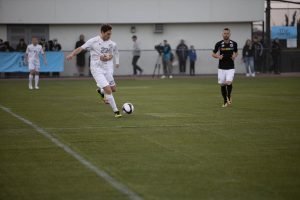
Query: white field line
column 99, row 172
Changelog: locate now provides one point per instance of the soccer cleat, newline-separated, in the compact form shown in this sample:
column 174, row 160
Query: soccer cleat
column 30, row 87
column 118, row 114
column 102, row 96
column 229, row 101
column 225, row 105
column 36, row 87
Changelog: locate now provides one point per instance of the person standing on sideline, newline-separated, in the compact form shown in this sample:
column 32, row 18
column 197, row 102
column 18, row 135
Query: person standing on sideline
column 22, row 46
column 258, row 55
column 167, row 53
column 102, row 50
column 276, row 53
column 248, row 58
column 182, row 54
column 32, row 58
column 228, row 51
column 193, row 57
column 80, row 58
column 136, row 52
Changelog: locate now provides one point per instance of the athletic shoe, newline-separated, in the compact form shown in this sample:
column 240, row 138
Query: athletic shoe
column 225, row 105
column 118, row 114
column 253, row 74
column 163, row 76
column 170, row 76
column 102, row 96
column 229, row 101
column 36, row 87
column 30, row 87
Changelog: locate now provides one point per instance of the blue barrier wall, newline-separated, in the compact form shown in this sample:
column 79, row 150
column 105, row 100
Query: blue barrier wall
column 15, row 62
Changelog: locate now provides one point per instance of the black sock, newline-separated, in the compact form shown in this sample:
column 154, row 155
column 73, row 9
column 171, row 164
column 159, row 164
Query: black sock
column 229, row 89
column 224, row 92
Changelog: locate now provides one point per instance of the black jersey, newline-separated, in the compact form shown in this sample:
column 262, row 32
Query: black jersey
column 226, row 49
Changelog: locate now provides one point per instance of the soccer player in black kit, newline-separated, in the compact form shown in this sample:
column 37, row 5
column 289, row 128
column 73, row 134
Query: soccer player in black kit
column 228, row 51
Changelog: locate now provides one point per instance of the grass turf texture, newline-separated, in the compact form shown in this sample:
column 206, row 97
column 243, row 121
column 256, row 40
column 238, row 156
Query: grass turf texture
column 178, row 144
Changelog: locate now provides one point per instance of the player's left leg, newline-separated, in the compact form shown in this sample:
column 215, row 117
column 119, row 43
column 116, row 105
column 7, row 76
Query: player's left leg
column 36, row 79
column 229, row 81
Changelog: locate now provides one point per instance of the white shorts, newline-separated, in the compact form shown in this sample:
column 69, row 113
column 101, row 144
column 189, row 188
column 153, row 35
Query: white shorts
column 34, row 66
column 102, row 77
column 225, row 75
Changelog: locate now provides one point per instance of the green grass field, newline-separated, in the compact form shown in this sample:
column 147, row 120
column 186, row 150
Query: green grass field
column 179, row 143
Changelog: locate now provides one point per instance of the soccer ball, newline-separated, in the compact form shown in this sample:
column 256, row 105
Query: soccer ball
column 127, row 108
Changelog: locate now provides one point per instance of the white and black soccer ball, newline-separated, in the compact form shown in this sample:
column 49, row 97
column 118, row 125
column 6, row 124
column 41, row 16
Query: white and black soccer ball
column 127, row 108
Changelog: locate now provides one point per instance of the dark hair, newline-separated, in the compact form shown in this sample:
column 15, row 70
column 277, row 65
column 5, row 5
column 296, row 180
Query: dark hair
column 134, row 36
column 226, row 29
column 105, row 28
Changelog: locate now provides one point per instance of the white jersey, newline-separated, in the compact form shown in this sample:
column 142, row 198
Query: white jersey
column 97, row 48
column 33, row 52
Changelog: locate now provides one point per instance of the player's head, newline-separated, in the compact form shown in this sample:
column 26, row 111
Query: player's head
column 81, row 37
column 165, row 42
column 134, row 38
column 34, row 40
column 106, row 31
column 226, row 33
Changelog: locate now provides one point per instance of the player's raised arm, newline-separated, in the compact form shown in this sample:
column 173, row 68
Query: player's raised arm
column 74, row 53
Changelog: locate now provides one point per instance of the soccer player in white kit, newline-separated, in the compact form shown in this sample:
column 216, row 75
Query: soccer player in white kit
column 32, row 57
column 102, row 50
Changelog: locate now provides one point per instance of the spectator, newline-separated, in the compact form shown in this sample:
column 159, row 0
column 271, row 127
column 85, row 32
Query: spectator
column 248, row 58
column 258, row 55
column 193, row 57
column 50, row 45
column 44, row 44
column 56, row 45
column 182, row 54
column 276, row 53
column 1, row 45
column 80, row 58
column 22, row 46
column 167, row 60
column 7, row 47
column 136, row 52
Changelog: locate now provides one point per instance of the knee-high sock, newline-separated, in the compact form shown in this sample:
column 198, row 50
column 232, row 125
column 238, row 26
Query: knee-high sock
column 224, row 92
column 111, row 100
column 36, row 80
column 30, row 79
column 229, row 89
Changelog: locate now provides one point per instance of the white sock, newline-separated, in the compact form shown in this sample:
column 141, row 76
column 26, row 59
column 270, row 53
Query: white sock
column 111, row 100
column 30, row 79
column 101, row 90
column 36, row 79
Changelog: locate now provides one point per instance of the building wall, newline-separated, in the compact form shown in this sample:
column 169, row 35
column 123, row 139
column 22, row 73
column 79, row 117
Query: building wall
column 202, row 35
column 129, row 11
column 3, row 32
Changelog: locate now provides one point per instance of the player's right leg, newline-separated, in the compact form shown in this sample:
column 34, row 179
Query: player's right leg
column 31, row 74
column 221, row 81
